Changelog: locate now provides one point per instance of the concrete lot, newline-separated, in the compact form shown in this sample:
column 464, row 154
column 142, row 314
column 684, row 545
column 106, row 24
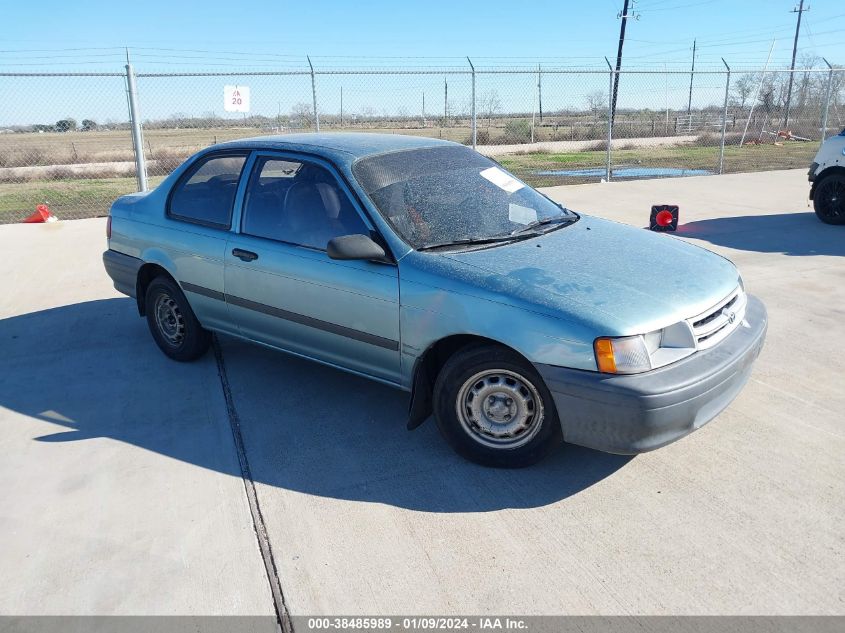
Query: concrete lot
column 122, row 491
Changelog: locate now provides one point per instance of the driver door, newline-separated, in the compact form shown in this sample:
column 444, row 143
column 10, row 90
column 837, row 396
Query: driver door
column 285, row 291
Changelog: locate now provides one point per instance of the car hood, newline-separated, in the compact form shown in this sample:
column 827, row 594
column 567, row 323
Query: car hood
column 632, row 280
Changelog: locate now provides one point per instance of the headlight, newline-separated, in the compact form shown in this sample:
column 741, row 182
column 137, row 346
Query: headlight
column 625, row 355
column 635, row 354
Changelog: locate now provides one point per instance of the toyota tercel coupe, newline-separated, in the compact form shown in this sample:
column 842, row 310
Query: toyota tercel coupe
column 422, row 264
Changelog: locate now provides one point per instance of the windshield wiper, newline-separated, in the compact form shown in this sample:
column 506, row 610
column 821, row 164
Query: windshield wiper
column 557, row 219
column 474, row 241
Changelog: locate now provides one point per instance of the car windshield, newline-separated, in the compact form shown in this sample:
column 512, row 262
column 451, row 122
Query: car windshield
column 438, row 196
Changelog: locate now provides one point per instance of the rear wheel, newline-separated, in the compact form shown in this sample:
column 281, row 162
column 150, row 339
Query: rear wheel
column 494, row 409
column 829, row 199
column 172, row 322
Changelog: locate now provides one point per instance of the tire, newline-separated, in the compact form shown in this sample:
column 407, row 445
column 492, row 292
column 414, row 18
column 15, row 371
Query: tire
column 493, row 408
column 829, row 199
column 172, row 323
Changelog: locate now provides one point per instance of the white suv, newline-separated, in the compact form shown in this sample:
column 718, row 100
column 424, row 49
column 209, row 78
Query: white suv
column 827, row 173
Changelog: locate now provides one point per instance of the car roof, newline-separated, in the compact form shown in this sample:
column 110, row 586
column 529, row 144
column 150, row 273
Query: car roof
column 353, row 144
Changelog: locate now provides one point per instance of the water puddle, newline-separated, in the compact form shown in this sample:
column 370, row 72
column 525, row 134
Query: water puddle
column 625, row 172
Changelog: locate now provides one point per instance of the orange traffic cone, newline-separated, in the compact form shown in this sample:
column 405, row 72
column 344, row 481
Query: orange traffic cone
column 42, row 214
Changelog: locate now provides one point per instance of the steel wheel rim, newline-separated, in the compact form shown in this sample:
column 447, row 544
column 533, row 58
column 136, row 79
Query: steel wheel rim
column 500, row 409
column 833, row 199
column 169, row 320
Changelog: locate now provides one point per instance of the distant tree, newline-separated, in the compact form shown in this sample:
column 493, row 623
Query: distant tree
column 88, row 125
column 489, row 106
column 743, row 87
column 808, row 61
column 595, row 101
column 66, row 125
column 302, row 114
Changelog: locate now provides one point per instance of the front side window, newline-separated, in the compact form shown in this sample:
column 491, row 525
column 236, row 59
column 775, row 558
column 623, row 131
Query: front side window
column 297, row 202
column 207, row 195
column 442, row 195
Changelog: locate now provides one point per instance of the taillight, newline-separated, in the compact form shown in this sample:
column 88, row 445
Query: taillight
column 108, row 228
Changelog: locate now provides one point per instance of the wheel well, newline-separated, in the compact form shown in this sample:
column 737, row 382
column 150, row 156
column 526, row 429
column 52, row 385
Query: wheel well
column 435, row 357
column 146, row 274
column 829, row 171
column 428, row 366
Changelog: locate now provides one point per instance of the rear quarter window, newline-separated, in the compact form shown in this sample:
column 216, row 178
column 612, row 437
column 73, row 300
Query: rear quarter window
column 206, row 193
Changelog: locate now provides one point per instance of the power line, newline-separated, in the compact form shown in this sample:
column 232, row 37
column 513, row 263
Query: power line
column 680, row 6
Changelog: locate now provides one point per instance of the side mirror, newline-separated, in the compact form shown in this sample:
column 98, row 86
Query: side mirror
column 354, row 247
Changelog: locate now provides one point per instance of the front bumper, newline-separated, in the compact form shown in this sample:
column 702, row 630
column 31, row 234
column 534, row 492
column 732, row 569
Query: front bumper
column 635, row 413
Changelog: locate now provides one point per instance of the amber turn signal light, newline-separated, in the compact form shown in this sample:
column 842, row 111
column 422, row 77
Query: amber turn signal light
column 605, row 360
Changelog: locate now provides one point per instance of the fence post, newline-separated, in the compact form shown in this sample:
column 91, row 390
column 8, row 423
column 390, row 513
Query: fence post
column 827, row 99
column 314, row 94
column 474, row 129
column 135, row 123
column 609, row 119
column 724, row 118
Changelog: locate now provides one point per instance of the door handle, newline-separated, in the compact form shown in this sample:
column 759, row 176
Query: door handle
column 246, row 256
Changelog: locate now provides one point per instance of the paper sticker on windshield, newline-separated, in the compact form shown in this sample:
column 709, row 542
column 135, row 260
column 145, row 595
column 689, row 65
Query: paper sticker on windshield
column 521, row 215
column 502, row 180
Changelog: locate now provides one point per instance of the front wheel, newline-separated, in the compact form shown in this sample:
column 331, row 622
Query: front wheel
column 829, row 199
column 494, row 409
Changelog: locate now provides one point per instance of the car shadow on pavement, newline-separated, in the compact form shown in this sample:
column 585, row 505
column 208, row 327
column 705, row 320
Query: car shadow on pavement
column 796, row 234
column 91, row 370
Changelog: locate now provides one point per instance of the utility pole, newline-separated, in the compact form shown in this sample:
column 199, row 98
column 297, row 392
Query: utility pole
column 445, row 101
column 423, row 110
column 540, row 91
column 341, row 107
column 799, row 10
column 624, row 15
column 691, row 75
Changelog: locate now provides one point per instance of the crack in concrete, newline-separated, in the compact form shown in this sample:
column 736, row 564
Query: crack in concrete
column 282, row 614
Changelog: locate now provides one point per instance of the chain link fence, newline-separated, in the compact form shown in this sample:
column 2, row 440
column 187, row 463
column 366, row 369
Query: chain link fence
column 67, row 139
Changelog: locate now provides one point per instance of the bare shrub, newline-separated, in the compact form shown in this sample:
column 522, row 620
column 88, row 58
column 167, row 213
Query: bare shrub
column 11, row 177
column 596, row 146
column 164, row 161
column 63, row 173
column 518, row 131
column 529, row 151
column 482, row 137
column 709, row 139
column 23, row 158
column 69, row 173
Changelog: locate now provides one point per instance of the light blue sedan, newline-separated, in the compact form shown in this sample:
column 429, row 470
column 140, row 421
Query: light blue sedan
column 426, row 266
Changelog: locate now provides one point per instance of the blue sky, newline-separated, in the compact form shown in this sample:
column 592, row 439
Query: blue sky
column 575, row 32
column 51, row 36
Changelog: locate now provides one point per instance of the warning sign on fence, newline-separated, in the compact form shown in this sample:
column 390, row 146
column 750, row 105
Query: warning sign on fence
column 236, row 98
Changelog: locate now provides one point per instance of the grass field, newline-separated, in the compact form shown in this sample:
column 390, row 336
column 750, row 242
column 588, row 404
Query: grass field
column 55, row 148
column 86, row 198
column 89, row 197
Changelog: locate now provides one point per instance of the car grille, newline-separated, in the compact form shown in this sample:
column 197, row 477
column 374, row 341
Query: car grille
column 716, row 323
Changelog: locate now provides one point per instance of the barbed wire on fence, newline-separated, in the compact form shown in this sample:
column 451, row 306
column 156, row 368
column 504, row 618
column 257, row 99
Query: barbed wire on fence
column 66, row 139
